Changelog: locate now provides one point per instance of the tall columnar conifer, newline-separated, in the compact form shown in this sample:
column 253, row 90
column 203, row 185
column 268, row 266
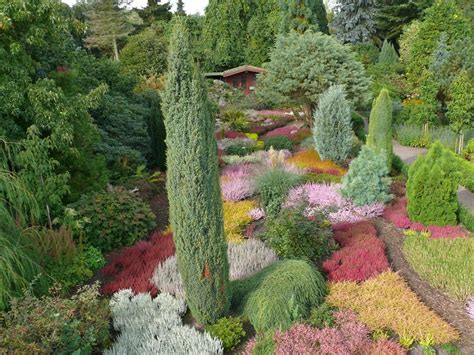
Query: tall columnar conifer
column 193, row 184
column 332, row 130
column 380, row 125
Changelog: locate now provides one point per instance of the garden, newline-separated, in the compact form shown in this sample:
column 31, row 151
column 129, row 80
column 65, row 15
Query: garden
column 148, row 207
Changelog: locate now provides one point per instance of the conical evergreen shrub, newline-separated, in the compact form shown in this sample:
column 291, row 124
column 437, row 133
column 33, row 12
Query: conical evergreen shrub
column 367, row 180
column 332, row 130
column 380, row 125
column 388, row 54
column 432, row 188
column 194, row 195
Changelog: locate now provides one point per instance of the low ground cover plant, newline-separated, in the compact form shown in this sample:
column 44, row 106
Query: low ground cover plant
column 133, row 267
column 278, row 143
column 236, row 218
column 279, row 295
column 55, row 325
column 447, row 264
column 309, row 159
column 327, row 198
column 362, row 254
column 114, row 219
column 153, row 326
column 347, row 335
column 385, row 302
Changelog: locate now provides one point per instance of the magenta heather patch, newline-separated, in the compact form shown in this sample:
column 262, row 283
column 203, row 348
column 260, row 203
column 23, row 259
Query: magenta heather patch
column 238, row 170
column 396, row 213
column 287, row 131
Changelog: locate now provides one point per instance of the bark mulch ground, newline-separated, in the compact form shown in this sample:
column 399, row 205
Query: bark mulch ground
column 450, row 310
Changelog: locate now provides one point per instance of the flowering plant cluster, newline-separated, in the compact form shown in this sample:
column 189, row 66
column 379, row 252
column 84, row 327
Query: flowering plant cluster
column 309, row 159
column 361, row 257
column 396, row 213
column 328, row 198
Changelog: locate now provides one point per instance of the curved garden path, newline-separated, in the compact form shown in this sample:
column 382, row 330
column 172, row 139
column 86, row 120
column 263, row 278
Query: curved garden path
column 409, row 155
column 450, row 310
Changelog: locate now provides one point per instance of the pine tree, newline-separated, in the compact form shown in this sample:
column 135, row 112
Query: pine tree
column 302, row 15
column 432, row 188
column 388, row 54
column 380, row 125
column 392, row 15
column 180, row 8
column 354, row 20
column 367, row 181
column 332, row 130
column 107, row 23
column 196, row 213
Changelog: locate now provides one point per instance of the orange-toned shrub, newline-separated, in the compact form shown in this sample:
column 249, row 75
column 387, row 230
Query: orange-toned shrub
column 387, row 303
column 309, row 160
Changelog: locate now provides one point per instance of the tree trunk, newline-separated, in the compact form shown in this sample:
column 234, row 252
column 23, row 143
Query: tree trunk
column 116, row 53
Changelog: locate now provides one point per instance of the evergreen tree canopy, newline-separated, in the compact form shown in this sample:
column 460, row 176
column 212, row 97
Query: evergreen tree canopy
column 303, row 66
column 422, row 40
column 461, row 103
column 108, row 23
column 354, row 20
column 194, row 195
column 302, row 15
column 392, row 15
column 224, row 34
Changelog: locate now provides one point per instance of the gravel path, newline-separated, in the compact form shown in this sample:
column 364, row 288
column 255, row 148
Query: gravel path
column 450, row 310
column 409, row 155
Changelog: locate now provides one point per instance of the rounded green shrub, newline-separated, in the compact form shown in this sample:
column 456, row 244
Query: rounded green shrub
column 228, row 330
column 272, row 187
column 279, row 295
column 293, row 236
column 278, row 143
column 114, row 219
column 432, row 188
column 367, row 181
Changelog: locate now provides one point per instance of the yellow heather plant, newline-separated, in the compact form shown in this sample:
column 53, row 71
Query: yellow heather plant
column 386, row 302
column 236, row 217
column 309, row 159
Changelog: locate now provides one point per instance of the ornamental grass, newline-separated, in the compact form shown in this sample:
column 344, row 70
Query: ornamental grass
column 447, row 264
column 387, row 303
column 309, row 159
column 236, row 218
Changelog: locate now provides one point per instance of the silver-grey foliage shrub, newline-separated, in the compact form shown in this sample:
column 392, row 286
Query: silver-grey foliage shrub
column 154, row 326
column 245, row 260
column 332, row 130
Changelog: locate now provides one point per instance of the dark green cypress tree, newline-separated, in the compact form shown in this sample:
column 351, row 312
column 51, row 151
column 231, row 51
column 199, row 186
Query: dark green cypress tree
column 380, row 125
column 193, row 184
column 302, row 15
